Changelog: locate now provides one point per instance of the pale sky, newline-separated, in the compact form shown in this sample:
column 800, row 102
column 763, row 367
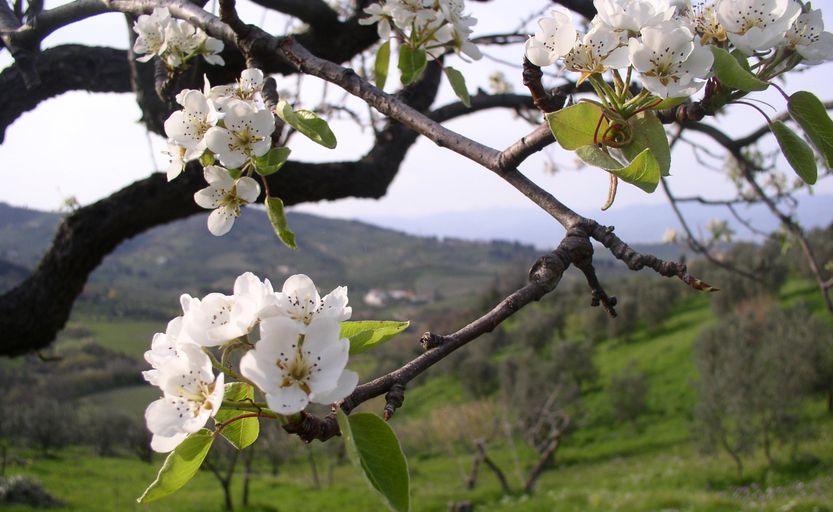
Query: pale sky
column 89, row 145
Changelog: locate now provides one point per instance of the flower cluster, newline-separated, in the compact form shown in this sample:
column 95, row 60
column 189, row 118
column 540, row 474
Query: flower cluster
column 230, row 123
column 667, row 42
column 298, row 356
column 175, row 42
column 433, row 25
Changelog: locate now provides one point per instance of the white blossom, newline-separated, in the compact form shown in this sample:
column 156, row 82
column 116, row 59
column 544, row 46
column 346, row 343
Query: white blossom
column 670, row 62
column 225, row 195
column 597, row 52
column 188, row 127
column 191, row 395
column 756, row 25
column 555, row 39
column 808, row 38
column 294, row 367
column 705, row 23
column 176, row 165
column 382, row 14
column 299, row 300
column 173, row 41
column 246, row 134
column 151, row 33
column 248, row 89
column 165, row 346
column 633, row 15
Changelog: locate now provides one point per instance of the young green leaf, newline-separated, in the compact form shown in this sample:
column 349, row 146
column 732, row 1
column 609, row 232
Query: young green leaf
column 180, row 466
column 272, row 161
column 648, row 133
column 593, row 155
column 244, row 432
column 458, row 84
column 412, row 63
column 809, row 112
column 732, row 74
column 643, row 171
column 577, row 125
column 366, row 334
column 382, row 65
column 235, row 173
column 372, row 445
column 307, row 123
column 274, row 210
column 797, row 152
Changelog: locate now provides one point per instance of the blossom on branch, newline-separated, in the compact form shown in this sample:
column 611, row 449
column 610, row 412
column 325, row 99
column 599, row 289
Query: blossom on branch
column 191, row 395
column 555, row 39
column 175, row 42
column 246, row 133
column 671, row 63
column 295, row 366
column 756, row 25
column 225, row 195
column 808, row 38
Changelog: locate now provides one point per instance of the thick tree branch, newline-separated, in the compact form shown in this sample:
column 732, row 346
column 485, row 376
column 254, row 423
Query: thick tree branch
column 315, row 13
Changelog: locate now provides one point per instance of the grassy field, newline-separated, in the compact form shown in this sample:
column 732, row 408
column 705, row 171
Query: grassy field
column 650, row 465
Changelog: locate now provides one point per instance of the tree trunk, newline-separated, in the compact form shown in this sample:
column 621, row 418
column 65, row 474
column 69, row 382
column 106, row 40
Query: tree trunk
column 494, row 467
column 732, row 453
column 248, row 458
column 546, row 456
column 765, row 432
column 315, row 481
column 475, row 469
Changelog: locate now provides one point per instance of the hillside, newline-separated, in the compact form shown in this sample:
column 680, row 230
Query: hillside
column 145, row 275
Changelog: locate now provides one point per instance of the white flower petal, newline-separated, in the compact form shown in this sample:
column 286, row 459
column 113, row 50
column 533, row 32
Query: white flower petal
column 346, row 384
column 287, row 400
column 248, row 189
column 220, row 221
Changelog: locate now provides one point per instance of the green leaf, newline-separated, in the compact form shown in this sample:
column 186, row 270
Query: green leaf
column 577, row 125
column 732, row 74
column 180, row 466
column 235, row 173
column 373, row 446
column 412, row 63
column 308, row 123
column 643, row 171
column 648, row 133
column 274, row 210
column 382, row 65
column 240, row 433
column 809, row 112
column 366, row 334
column 593, row 155
column 272, row 161
column 458, row 83
column 798, row 153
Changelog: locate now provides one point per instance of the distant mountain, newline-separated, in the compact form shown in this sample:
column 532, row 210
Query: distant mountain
column 634, row 224
column 146, row 274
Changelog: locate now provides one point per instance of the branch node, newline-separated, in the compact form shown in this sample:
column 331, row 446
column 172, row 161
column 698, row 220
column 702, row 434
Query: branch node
column 430, row 340
column 309, row 427
column 545, row 101
column 394, row 399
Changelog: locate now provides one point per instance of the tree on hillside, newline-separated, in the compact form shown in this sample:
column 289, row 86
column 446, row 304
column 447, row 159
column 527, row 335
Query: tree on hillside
column 754, row 371
column 619, row 99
